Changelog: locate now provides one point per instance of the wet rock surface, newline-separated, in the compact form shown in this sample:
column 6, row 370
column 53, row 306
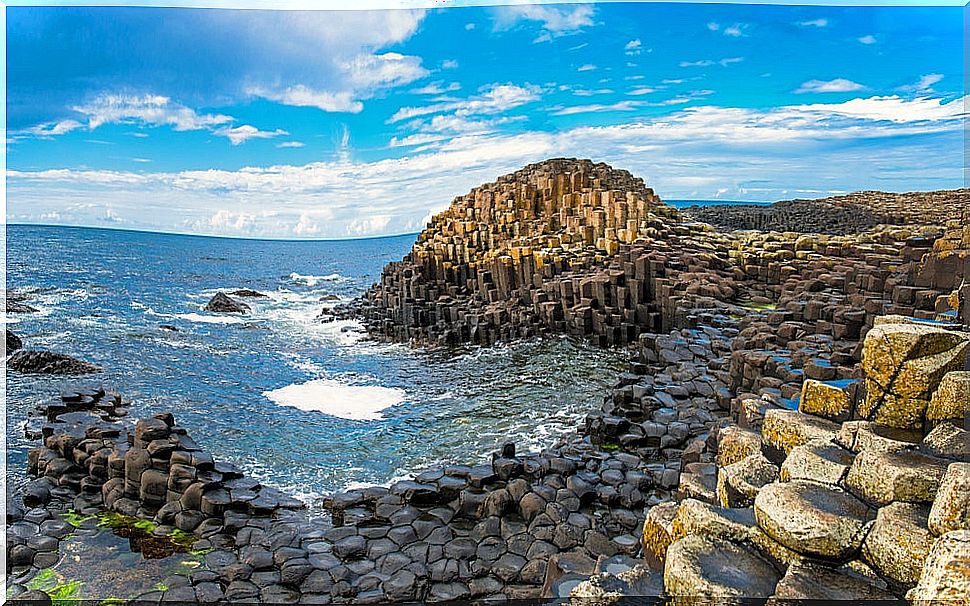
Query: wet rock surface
column 223, row 303
column 49, row 362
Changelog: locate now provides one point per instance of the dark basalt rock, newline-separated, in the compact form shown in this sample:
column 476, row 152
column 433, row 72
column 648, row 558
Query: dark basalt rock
column 49, row 362
column 222, row 303
column 248, row 292
column 13, row 342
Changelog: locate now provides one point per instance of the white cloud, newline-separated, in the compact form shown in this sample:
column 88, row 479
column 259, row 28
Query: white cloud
column 587, row 67
column 713, row 26
column 289, row 144
column 245, row 132
column 449, row 64
column 52, row 129
column 734, row 31
column 363, row 75
column 694, row 152
column 838, row 85
column 642, row 90
column 867, row 39
column 583, row 92
column 469, row 26
column 619, row 106
column 709, row 62
column 494, row 99
column 436, row 88
column 387, row 70
column 555, row 21
column 302, row 96
column 924, row 84
column 154, row 110
column 821, row 22
column 633, row 47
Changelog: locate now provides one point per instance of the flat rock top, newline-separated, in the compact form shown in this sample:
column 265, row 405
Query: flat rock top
column 702, row 567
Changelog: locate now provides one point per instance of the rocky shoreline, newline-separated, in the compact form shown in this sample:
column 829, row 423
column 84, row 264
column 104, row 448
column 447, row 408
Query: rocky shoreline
column 783, row 387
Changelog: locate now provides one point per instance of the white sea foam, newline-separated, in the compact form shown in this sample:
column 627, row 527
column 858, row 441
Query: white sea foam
column 194, row 317
column 357, row 402
column 314, row 280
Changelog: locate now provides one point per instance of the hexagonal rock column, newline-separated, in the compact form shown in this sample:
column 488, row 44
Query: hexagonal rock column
column 738, row 484
column 818, row 460
column 702, row 567
column 904, row 365
column 806, row 581
column 899, row 542
column 951, row 508
column 884, row 477
column 946, row 573
column 812, row 519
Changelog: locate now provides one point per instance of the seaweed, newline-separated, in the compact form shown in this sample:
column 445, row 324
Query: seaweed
column 67, row 593
column 76, row 519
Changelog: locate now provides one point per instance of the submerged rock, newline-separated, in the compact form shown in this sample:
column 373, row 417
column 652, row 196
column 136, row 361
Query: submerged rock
column 13, row 342
column 49, row 362
column 222, row 303
column 248, row 292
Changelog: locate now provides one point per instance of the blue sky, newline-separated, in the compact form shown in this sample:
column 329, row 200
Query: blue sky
column 325, row 124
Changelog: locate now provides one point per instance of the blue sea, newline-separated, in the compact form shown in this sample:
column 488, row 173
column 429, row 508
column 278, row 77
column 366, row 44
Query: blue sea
column 306, row 406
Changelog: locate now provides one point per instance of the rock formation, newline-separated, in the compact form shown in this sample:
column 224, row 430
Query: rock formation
column 223, row 303
column 13, row 342
column 792, row 423
column 49, row 362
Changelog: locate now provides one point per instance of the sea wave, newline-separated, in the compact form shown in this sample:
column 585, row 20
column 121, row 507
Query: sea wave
column 314, row 280
column 332, row 397
column 206, row 319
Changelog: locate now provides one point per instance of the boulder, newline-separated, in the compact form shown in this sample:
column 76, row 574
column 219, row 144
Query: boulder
column 830, row 399
column 818, row 460
column 899, row 542
column 222, row 303
column 701, row 567
column 951, row 400
column 951, row 508
column 738, row 484
column 735, row 443
column 785, row 429
column 812, row 519
column 884, row 477
column 809, row 581
column 945, row 578
column 48, row 362
column 13, row 342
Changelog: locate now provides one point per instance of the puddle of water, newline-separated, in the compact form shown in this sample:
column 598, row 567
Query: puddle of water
column 113, row 557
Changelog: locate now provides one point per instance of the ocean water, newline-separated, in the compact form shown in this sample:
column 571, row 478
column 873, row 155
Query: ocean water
column 304, row 406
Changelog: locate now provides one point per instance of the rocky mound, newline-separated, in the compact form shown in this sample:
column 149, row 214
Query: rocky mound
column 49, row 362
column 223, row 303
column 849, row 214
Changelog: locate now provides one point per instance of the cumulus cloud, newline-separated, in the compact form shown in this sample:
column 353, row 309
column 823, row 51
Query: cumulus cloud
column 693, row 152
column 555, row 21
column 153, row 110
column 241, row 134
column 633, row 47
column 838, row 85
